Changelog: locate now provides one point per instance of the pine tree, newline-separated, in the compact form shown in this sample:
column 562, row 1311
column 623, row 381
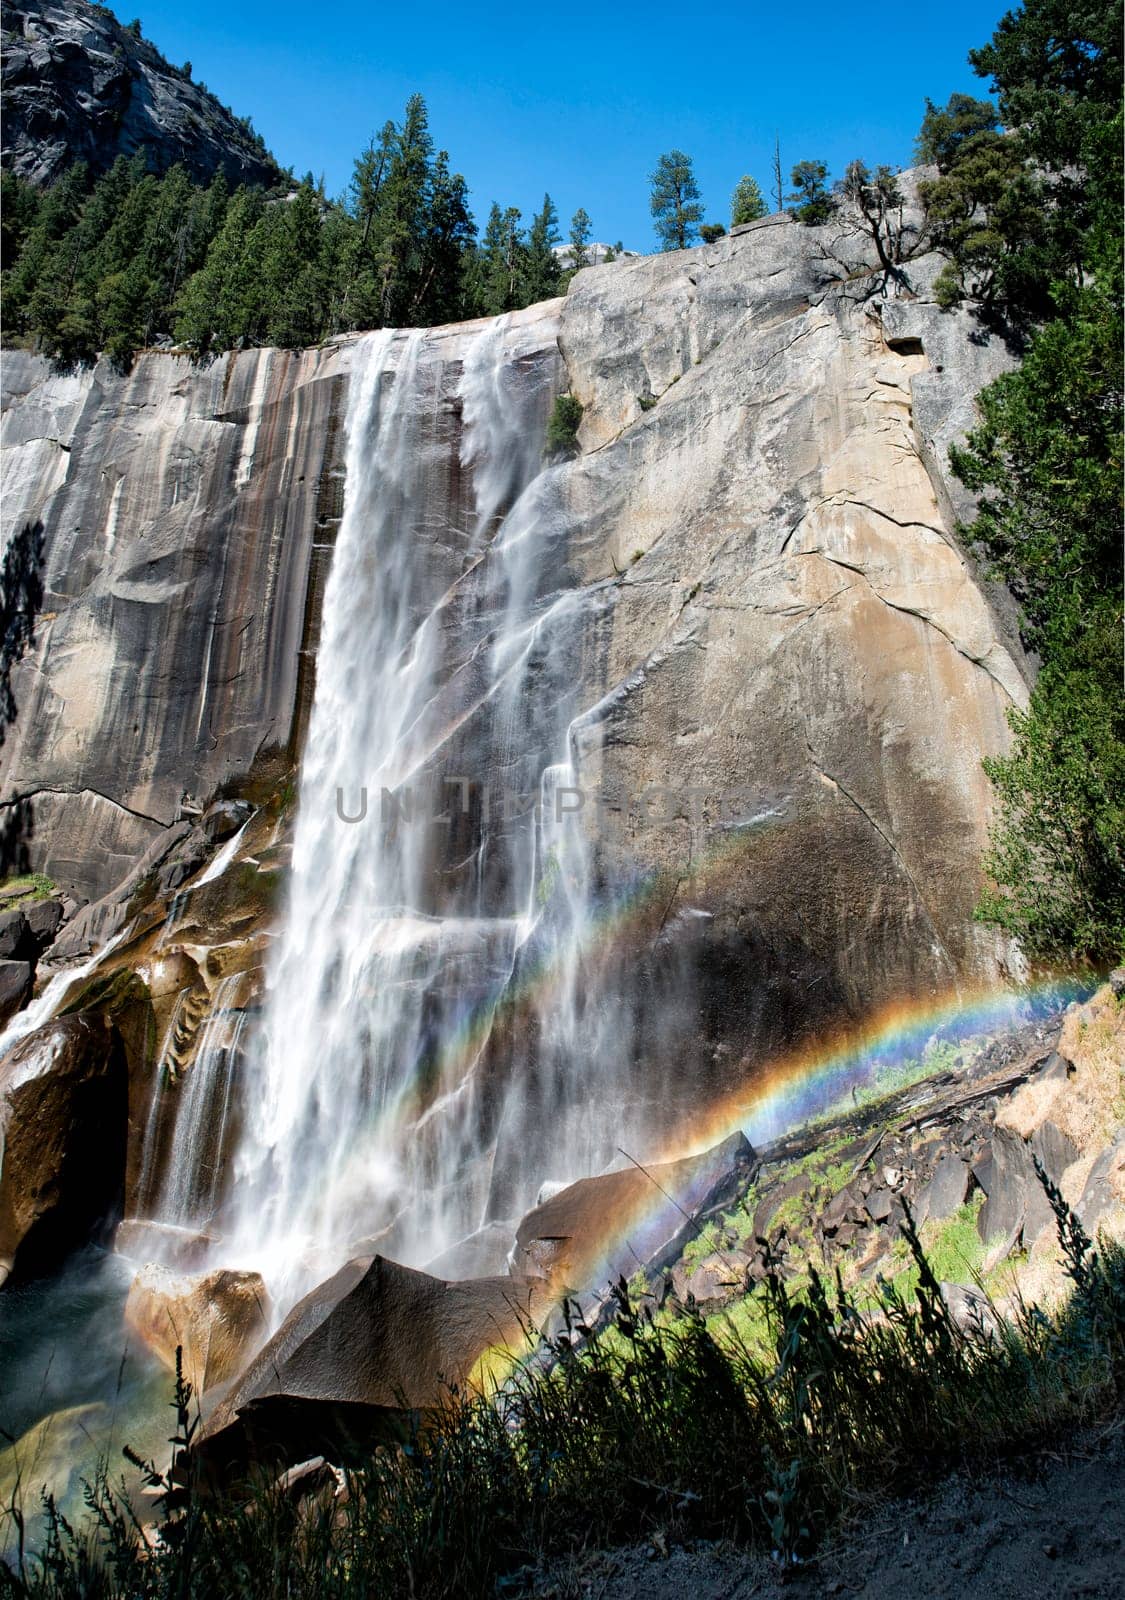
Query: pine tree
column 675, row 201
column 580, row 235
column 543, row 272
column 747, row 203
column 810, row 199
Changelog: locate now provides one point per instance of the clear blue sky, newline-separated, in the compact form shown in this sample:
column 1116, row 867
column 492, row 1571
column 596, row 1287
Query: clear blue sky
column 580, row 99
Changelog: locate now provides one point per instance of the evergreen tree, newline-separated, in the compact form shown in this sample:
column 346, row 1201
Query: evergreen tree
column 544, row 274
column 810, row 200
column 747, row 203
column 675, row 201
column 1046, row 458
column 580, row 235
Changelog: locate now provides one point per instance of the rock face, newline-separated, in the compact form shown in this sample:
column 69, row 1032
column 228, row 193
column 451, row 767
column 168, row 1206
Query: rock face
column 63, row 1100
column 185, row 515
column 748, row 584
column 80, row 87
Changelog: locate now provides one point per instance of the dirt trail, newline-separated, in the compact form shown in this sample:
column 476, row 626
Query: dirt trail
column 1050, row 1530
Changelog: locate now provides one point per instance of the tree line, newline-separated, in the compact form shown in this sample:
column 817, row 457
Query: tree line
column 135, row 258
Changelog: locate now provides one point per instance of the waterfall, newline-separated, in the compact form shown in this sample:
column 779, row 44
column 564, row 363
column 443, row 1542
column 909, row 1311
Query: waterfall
column 437, row 877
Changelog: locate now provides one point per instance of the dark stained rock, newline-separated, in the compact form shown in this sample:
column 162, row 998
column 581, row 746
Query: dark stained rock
column 80, row 87
column 846, row 1206
column 15, row 987
column 714, row 1280
column 204, row 634
column 1006, row 1194
column 15, row 936
column 772, row 1201
column 63, row 1118
column 43, row 920
column 1016, row 1205
column 946, row 1190
column 593, row 1231
column 377, row 1336
column 1055, row 1150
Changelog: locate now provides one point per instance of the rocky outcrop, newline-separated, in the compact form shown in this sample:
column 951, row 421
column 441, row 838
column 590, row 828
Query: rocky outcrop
column 80, row 87
column 63, row 1121
column 216, row 1320
column 370, row 1346
column 600, row 1229
column 186, row 515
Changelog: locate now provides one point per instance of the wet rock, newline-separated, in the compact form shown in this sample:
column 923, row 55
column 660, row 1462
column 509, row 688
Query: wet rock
column 223, row 820
column 946, row 1190
column 15, row 987
column 601, row 1228
column 63, row 1120
column 484, row 1254
column 142, row 1240
column 217, row 1318
column 374, row 1343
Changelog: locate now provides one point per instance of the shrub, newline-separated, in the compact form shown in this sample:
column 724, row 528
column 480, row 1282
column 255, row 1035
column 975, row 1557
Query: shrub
column 562, row 429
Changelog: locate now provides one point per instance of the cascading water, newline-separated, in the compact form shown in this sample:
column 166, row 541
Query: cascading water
column 434, row 1044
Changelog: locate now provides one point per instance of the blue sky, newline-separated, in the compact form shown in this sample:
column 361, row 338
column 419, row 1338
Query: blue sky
column 580, row 100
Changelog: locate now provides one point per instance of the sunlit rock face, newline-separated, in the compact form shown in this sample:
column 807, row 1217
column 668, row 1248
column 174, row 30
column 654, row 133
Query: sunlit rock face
column 179, row 518
column 724, row 675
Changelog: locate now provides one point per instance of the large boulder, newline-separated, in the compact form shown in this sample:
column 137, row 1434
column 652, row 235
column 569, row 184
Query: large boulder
column 63, row 1123
column 215, row 1318
column 361, row 1352
column 602, row 1228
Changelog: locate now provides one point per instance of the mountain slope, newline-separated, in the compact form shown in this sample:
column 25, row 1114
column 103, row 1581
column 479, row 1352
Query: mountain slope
column 78, row 86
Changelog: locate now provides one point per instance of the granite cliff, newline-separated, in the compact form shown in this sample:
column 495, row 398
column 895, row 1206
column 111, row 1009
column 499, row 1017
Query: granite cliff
column 80, row 87
column 751, row 596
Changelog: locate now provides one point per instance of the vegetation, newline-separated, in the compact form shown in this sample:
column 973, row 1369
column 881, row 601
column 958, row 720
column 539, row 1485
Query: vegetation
column 675, row 202
column 1043, row 255
column 659, row 1427
column 747, row 203
column 134, row 258
column 562, row 429
column 810, row 199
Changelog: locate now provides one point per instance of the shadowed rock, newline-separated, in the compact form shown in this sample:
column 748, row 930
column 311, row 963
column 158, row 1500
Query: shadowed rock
column 353, row 1359
column 63, row 1112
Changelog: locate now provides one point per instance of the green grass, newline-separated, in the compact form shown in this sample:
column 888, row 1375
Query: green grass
column 766, row 1426
column 25, row 888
